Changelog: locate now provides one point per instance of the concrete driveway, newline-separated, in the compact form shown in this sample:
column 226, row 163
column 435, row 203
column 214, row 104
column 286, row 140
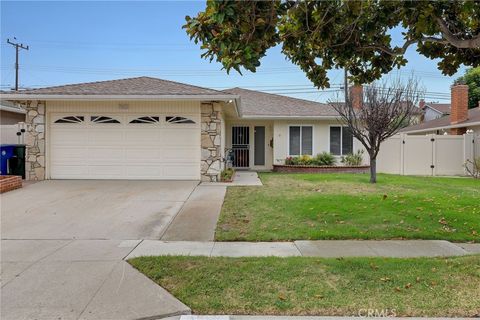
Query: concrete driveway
column 64, row 209
column 63, row 245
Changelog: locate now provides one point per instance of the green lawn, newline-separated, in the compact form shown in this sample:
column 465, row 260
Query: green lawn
column 313, row 286
column 347, row 206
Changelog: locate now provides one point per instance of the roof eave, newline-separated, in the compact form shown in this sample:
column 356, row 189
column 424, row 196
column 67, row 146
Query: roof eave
column 21, row 97
column 452, row 126
column 281, row 117
column 12, row 110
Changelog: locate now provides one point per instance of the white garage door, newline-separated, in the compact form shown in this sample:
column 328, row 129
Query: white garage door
column 121, row 146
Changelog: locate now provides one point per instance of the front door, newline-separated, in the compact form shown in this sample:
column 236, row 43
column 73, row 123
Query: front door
column 241, row 147
column 259, row 149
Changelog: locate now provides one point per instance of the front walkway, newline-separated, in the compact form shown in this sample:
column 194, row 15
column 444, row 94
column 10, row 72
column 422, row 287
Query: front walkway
column 241, row 179
column 318, row 248
column 197, row 219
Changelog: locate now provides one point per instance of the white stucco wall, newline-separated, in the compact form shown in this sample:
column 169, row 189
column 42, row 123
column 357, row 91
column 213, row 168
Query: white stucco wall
column 321, row 138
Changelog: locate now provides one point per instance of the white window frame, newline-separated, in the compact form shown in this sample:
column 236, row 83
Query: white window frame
column 341, row 139
column 288, row 139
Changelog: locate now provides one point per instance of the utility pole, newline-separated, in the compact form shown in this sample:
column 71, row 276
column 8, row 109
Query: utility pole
column 17, row 46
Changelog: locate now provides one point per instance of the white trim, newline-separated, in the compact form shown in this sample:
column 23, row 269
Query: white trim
column 98, row 97
column 288, row 139
column 12, row 109
column 341, row 139
column 262, row 117
column 452, row 126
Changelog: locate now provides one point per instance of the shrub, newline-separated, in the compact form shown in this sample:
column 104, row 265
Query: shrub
column 353, row 159
column 305, row 160
column 227, row 174
column 291, row 161
column 321, row 159
column 324, row 159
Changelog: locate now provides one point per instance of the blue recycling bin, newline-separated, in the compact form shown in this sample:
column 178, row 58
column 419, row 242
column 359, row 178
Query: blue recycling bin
column 6, row 152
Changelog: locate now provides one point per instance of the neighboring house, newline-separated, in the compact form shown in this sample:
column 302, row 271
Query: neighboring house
column 433, row 110
column 10, row 113
column 147, row 128
column 459, row 121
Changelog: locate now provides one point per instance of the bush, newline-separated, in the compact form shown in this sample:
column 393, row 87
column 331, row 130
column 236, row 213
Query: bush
column 292, row 161
column 305, row 160
column 227, row 174
column 353, row 159
column 324, row 159
column 321, row 159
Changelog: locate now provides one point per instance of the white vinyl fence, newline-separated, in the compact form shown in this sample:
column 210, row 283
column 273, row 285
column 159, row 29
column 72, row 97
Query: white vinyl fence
column 428, row 155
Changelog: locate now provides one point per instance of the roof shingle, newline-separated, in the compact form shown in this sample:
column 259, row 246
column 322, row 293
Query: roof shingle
column 129, row 86
column 440, row 107
column 256, row 103
column 473, row 117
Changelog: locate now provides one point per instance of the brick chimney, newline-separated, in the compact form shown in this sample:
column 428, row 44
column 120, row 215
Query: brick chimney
column 459, row 107
column 421, row 104
column 356, row 96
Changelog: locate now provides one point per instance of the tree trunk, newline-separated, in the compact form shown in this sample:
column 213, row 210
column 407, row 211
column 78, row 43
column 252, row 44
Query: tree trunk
column 373, row 170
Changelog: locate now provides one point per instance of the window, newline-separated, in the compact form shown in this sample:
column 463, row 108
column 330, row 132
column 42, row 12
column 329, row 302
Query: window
column 71, row 119
column 341, row 140
column 300, row 140
column 146, row 119
column 103, row 119
column 177, row 119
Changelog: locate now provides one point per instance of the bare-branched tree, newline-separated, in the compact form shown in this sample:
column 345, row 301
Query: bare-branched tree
column 383, row 111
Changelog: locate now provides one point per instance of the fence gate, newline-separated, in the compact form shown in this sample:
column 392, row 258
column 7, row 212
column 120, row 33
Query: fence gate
column 418, row 155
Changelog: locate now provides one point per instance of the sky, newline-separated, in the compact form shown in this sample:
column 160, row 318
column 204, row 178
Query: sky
column 72, row 42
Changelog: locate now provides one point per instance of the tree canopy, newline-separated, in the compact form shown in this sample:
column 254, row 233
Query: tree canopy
column 322, row 35
column 472, row 79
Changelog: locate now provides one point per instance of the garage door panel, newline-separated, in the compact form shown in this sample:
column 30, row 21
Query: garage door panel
column 143, row 137
column 186, row 137
column 123, row 150
column 69, row 155
column 105, row 154
column 69, row 171
column 179, row 154
column 65, row 137
column 105, row 137
column 139, row 155
column 105, row 171
column 146, row 171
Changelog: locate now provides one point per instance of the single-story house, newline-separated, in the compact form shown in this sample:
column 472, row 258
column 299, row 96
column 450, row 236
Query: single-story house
column 434, row 110
column 10, row 113
column 459, row 121
column 148, row 128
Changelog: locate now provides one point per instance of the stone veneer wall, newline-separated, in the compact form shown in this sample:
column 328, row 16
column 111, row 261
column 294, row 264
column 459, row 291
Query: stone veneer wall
column 211, row 130
column 35, row 140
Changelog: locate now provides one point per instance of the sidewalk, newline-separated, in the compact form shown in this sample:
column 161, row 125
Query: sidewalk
column 224, row 317
column 319, row 248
